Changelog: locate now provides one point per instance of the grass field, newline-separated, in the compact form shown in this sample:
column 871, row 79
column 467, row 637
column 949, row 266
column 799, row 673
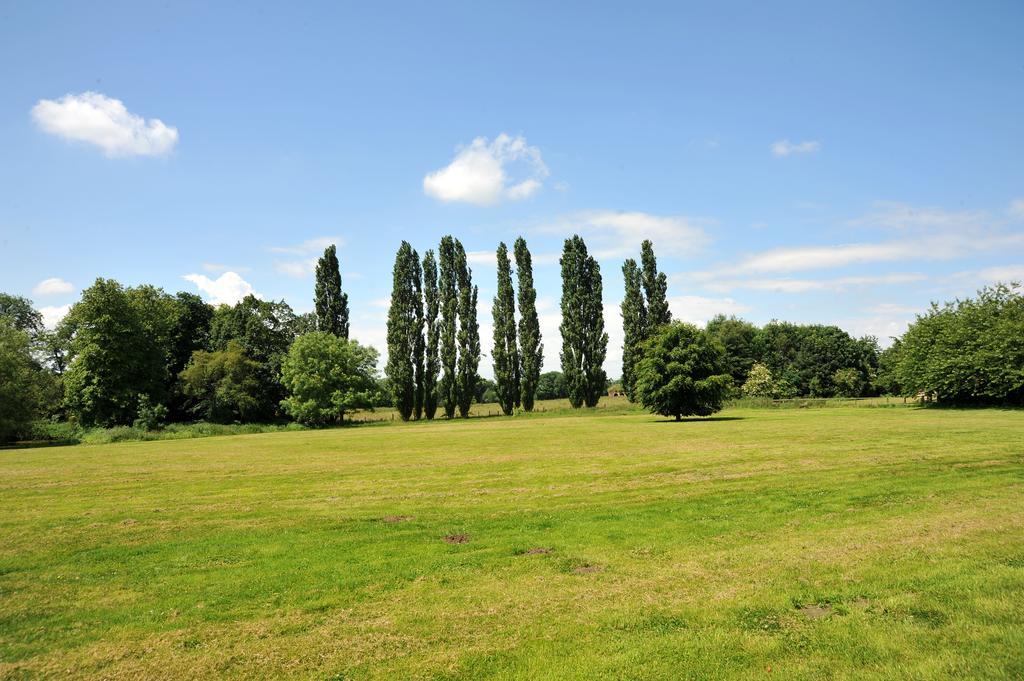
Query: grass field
column 846, row 543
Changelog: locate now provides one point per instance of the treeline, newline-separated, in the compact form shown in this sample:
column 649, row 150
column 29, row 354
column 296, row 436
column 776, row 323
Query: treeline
column 140, row 356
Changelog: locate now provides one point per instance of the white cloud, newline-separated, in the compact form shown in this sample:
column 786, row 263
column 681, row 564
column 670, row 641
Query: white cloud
column 106, row 123
column 52, row 314
column 1002, row 273
column 786, row 285
column 479, row 174
column 905, row 217
column 217, row 267
column 296, row 268
column 787, row 148
column 485, row 258
column 698, row 309
column 618, row 234
column 52, row 287
column 227, row 289
column 1017, row 209
column 315, row 245
column 313, row 248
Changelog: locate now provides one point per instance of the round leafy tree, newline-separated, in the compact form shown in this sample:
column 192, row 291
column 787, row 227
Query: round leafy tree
column 681, row 372
column 327, row 376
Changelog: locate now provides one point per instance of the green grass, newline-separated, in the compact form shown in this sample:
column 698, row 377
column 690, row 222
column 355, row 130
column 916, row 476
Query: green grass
column 835, row 542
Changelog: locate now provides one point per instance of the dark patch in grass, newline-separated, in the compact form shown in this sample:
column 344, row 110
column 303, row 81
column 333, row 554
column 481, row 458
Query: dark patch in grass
column 587, row 569
column 662, row 623
column 760, row 619
column 456, row 538
column 928, row 616
column 815, row 611
column 1014, row 561
column 395, row 518
column 538, row 551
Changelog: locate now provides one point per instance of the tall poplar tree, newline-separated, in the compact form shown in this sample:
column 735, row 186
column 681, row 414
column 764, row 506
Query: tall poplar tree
column 584, row 342
column 506, row 352
column 469, row 333
column 432, row 330
column 448, row 298
column 402, row 332
column 531, row 351
column 644, row 310
column 634, row 323
column 418, row 341
column 656, row 289
column 330, row 302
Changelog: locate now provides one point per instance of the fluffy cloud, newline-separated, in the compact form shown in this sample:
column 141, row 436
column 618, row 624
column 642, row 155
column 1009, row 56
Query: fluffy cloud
column 618, row 234
column 52, row 314
column 227, row 289
column 787, row 148
column 52, row 287
column 479, row 174
column 1017, row 209
column 106, row 123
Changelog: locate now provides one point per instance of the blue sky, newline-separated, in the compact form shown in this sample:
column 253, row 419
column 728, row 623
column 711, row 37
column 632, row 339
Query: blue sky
column 842, row 163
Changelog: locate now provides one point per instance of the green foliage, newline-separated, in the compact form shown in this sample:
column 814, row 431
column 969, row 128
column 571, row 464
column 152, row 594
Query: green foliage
column 761, row 383
column 739, row 338
column 225, row 386
column 189, row 332
column 330, row 302
column 808, row 356
column 584, row 342
column 506, row 351
column 22, row 383
column 531, row 350
column 120, row 347
column 469, row 332
column 551, row 386
column 644, row 309
column 682, row 373
column 848, row 382
column 404, row 330
column 327, row 376
column 655, row 288
column 265, row 330
column 418, row 340
column 432, row 362
column 18, row 312
column 634, row 322
column 150, row 416
column 448, row 293
column 967, row 351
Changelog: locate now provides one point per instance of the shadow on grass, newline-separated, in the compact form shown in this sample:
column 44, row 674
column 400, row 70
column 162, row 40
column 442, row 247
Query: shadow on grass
column 39, row 443
column 702, row 419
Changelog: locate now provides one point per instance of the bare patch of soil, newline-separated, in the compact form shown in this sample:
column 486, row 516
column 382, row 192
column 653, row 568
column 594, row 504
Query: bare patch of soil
column 816, row 612
column 395, row 518
column 537, row 551
column 587, row 569
column 456, row 538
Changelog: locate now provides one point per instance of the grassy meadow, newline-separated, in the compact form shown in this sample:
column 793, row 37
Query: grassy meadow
column 837, row 542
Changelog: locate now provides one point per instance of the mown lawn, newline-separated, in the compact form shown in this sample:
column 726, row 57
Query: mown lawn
column 847, row 543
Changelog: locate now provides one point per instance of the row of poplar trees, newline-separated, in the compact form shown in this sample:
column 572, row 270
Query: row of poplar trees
column 434, row 335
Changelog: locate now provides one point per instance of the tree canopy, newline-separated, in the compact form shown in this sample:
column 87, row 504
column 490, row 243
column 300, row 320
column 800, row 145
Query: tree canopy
column 682, row 372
